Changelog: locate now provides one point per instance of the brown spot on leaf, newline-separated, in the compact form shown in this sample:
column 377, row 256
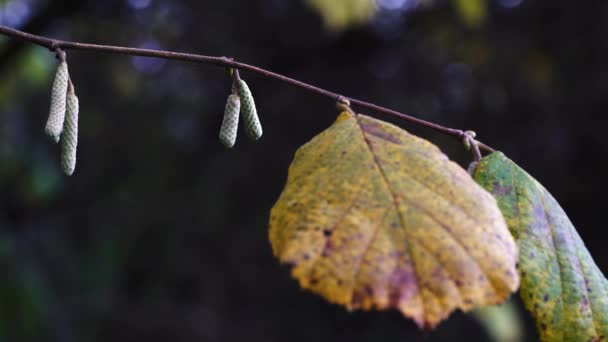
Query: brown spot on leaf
column 403, row 285
column 501, row 190
column 329, row 246
column 394, row 296
column 375, row 129
column 356, row 299
column 584, row 303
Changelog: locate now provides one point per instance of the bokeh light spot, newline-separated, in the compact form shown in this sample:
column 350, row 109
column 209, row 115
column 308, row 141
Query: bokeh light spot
column 14, row 13
column 139, row 4
column 510, row 3
column 148, row 65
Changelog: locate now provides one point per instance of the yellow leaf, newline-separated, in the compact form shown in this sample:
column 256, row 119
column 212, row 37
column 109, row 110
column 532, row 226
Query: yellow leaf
column 374, row 217
column 342, row 14
column 472, row 12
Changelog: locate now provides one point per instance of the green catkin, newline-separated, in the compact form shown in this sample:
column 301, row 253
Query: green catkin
column 69, row 136
column 54, row 124
column 231, row 121
column 253, row 128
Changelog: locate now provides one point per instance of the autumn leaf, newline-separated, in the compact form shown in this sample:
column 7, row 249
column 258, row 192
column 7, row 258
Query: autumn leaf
column 374, row 217
column 472, row 12
column 561, row 284
column 339, row 15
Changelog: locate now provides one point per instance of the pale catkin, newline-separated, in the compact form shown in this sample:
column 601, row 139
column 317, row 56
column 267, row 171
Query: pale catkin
column 69, row 136
column 54, row 124
column 253, row 128
column 230, row 122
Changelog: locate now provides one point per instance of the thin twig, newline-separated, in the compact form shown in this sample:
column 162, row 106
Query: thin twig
column 53, row 44
column 476, row 153
column 485, row 147
column 60, row 54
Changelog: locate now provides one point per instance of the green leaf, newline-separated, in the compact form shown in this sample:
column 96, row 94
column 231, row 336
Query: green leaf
column 373, row 217
column 502, row 323
column 561, row 284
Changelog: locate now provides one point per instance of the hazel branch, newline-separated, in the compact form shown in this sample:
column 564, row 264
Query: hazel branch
column 53, row 45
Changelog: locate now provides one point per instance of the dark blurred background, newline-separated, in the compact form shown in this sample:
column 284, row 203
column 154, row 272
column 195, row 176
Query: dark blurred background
column 161, row 234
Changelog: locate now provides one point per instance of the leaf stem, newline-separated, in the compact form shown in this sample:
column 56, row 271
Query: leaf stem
column 53, row 45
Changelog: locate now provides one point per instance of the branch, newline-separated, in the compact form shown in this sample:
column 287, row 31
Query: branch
column 53, row 44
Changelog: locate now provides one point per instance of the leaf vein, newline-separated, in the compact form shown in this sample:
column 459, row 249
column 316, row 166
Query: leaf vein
column 412, row 177
column 559, row 265
column 385, row 179
column 433, row 217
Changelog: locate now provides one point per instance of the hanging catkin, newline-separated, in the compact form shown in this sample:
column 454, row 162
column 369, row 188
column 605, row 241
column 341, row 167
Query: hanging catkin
column 69, row 136
column 253, row 128
column 54, row 124
column 231, row 121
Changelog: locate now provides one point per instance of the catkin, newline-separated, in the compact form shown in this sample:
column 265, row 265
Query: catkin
column 253, row 128
column 231, row 121
column 54, row 124
column 69, row 136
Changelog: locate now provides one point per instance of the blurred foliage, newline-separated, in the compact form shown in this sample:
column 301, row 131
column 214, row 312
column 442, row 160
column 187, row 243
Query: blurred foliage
column 36, row 67
column 502, row 322
column 342, row 14
column 472, row 12
column 23, row 298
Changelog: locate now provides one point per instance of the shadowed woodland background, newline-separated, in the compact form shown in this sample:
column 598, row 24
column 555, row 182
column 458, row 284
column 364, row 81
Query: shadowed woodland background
column 161, row 234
